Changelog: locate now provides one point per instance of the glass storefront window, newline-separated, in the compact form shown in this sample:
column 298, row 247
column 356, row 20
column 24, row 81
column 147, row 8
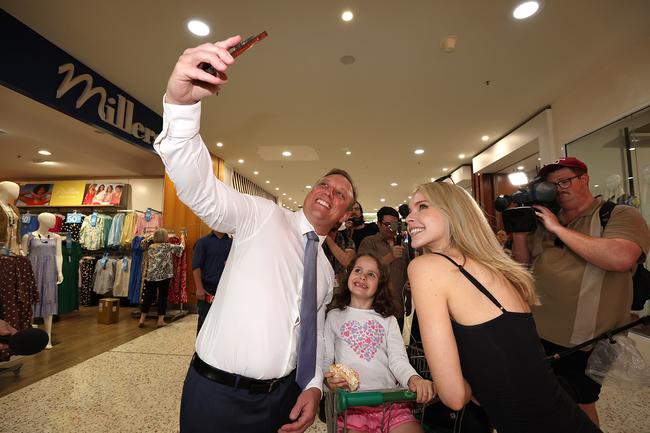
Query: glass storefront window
column 618, row 157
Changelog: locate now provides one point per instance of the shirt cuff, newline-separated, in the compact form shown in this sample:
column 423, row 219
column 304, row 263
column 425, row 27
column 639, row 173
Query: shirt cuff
column 183, row 121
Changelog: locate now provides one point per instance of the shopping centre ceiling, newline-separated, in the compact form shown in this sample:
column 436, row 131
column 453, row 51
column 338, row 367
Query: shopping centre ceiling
column 294, row 91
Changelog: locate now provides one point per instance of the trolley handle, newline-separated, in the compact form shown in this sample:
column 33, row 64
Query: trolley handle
column 345, row 399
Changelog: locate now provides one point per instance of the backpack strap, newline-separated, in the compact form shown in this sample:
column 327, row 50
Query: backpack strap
column 605, row 212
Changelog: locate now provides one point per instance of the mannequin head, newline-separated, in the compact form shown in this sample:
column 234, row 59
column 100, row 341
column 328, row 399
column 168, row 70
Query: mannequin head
column 46, row 221
column 8, row 192
column 613, row 182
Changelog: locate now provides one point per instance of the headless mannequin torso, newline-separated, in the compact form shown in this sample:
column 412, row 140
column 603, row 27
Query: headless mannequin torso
column 42, row 236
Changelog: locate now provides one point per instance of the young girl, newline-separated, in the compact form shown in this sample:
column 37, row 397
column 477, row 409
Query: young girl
column 473, row 303
column 361, row 333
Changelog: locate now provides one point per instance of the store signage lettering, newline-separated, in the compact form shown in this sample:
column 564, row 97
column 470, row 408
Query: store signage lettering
column 117, row 112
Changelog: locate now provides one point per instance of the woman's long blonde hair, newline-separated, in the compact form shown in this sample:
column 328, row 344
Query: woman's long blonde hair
column 470, row 232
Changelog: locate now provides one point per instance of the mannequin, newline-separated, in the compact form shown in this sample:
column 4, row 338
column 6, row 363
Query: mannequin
column 44, row 252
column 614, row 187
column 9, row 217
column 645, row 196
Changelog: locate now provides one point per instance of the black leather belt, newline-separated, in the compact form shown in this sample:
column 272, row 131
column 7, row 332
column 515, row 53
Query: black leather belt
column 254, row 386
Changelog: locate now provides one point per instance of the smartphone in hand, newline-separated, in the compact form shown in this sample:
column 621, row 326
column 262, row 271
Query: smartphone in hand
column 235, row 51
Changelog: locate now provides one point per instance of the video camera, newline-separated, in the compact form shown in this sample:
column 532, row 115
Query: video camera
column 523, row 218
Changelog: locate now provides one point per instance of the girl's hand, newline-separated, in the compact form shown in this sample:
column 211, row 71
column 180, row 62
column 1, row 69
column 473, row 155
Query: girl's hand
column 423, row 388
column 335, row 383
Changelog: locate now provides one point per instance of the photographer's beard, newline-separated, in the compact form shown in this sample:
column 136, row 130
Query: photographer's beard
column 356, row 221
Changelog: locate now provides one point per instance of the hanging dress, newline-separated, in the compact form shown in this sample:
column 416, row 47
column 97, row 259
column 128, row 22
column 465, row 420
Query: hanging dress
column 68, row 289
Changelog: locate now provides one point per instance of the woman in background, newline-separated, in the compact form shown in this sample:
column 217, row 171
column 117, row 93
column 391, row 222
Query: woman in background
column 160, row 270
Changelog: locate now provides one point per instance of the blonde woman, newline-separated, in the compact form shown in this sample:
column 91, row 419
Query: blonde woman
column 473, row 303
column 160, row 270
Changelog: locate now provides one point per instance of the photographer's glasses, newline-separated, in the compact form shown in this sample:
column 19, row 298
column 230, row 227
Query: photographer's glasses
column 565, row 183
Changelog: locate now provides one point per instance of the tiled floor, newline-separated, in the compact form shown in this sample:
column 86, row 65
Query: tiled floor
column 136, row 387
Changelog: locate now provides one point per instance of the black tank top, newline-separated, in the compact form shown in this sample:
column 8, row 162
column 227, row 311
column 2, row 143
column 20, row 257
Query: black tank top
column 504, row 363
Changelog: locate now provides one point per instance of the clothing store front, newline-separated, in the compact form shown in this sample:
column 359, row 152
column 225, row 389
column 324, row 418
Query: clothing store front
column 82, row 194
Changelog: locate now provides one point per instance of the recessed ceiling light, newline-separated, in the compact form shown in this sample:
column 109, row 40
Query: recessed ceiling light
column 393, row 184
column 284, row 193
column 433, row 179
column 418, row 151
column 277, row 189
column 290, row 199
column 461, row 155
column 518, row 178
column 382, row 200
column 256, row 172
column 347, row 16
column 445, row 169
column 525, row 10
column 219, row 144
column 404, row 201
column 485, row 138
column 596, row 186
column 241, row 161
column 268, row 181
column 42, row 162
column 197, row 27
column 308, row 186
column 539, row 159
column 348, row 153
column 521, row 167
column 631, row 148
column 410, row 197
column 286, row 153
column 45, row 152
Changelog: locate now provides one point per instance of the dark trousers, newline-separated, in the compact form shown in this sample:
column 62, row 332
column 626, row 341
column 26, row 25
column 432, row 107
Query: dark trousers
column 150, row 289
column 210, row 407
column 202, row 308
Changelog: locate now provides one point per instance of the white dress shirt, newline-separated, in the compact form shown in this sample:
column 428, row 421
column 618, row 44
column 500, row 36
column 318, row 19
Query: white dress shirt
column 253, row 325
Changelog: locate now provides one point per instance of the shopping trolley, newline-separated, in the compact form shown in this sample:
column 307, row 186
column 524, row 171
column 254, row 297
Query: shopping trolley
column 338, row 402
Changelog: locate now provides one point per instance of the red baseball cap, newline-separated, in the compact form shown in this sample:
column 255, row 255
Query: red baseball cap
column 569, row 162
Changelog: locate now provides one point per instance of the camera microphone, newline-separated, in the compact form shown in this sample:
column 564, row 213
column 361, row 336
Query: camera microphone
column 26, row 342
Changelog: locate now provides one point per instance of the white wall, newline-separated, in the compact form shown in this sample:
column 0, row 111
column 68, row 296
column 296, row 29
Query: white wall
column 613, row 89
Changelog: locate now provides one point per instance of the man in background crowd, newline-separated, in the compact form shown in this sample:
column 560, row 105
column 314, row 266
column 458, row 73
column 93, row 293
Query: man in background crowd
column 583, row 273
column 355, row 227
column 392, row 255
column 210, row 254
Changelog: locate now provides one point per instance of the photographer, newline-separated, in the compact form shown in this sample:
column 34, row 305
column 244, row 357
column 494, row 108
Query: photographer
column 356, row 229
column 392, row 254
column 583, row 276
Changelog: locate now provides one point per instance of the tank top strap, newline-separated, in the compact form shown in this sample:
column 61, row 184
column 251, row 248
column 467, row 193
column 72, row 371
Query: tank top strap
column 475, row 282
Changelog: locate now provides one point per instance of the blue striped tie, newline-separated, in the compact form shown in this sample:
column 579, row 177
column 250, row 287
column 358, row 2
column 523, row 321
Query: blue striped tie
column 308, row 337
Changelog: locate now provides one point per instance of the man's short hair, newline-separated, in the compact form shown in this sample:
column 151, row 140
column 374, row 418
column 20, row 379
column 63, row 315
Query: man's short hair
column 386, row 210
column 345, row 174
